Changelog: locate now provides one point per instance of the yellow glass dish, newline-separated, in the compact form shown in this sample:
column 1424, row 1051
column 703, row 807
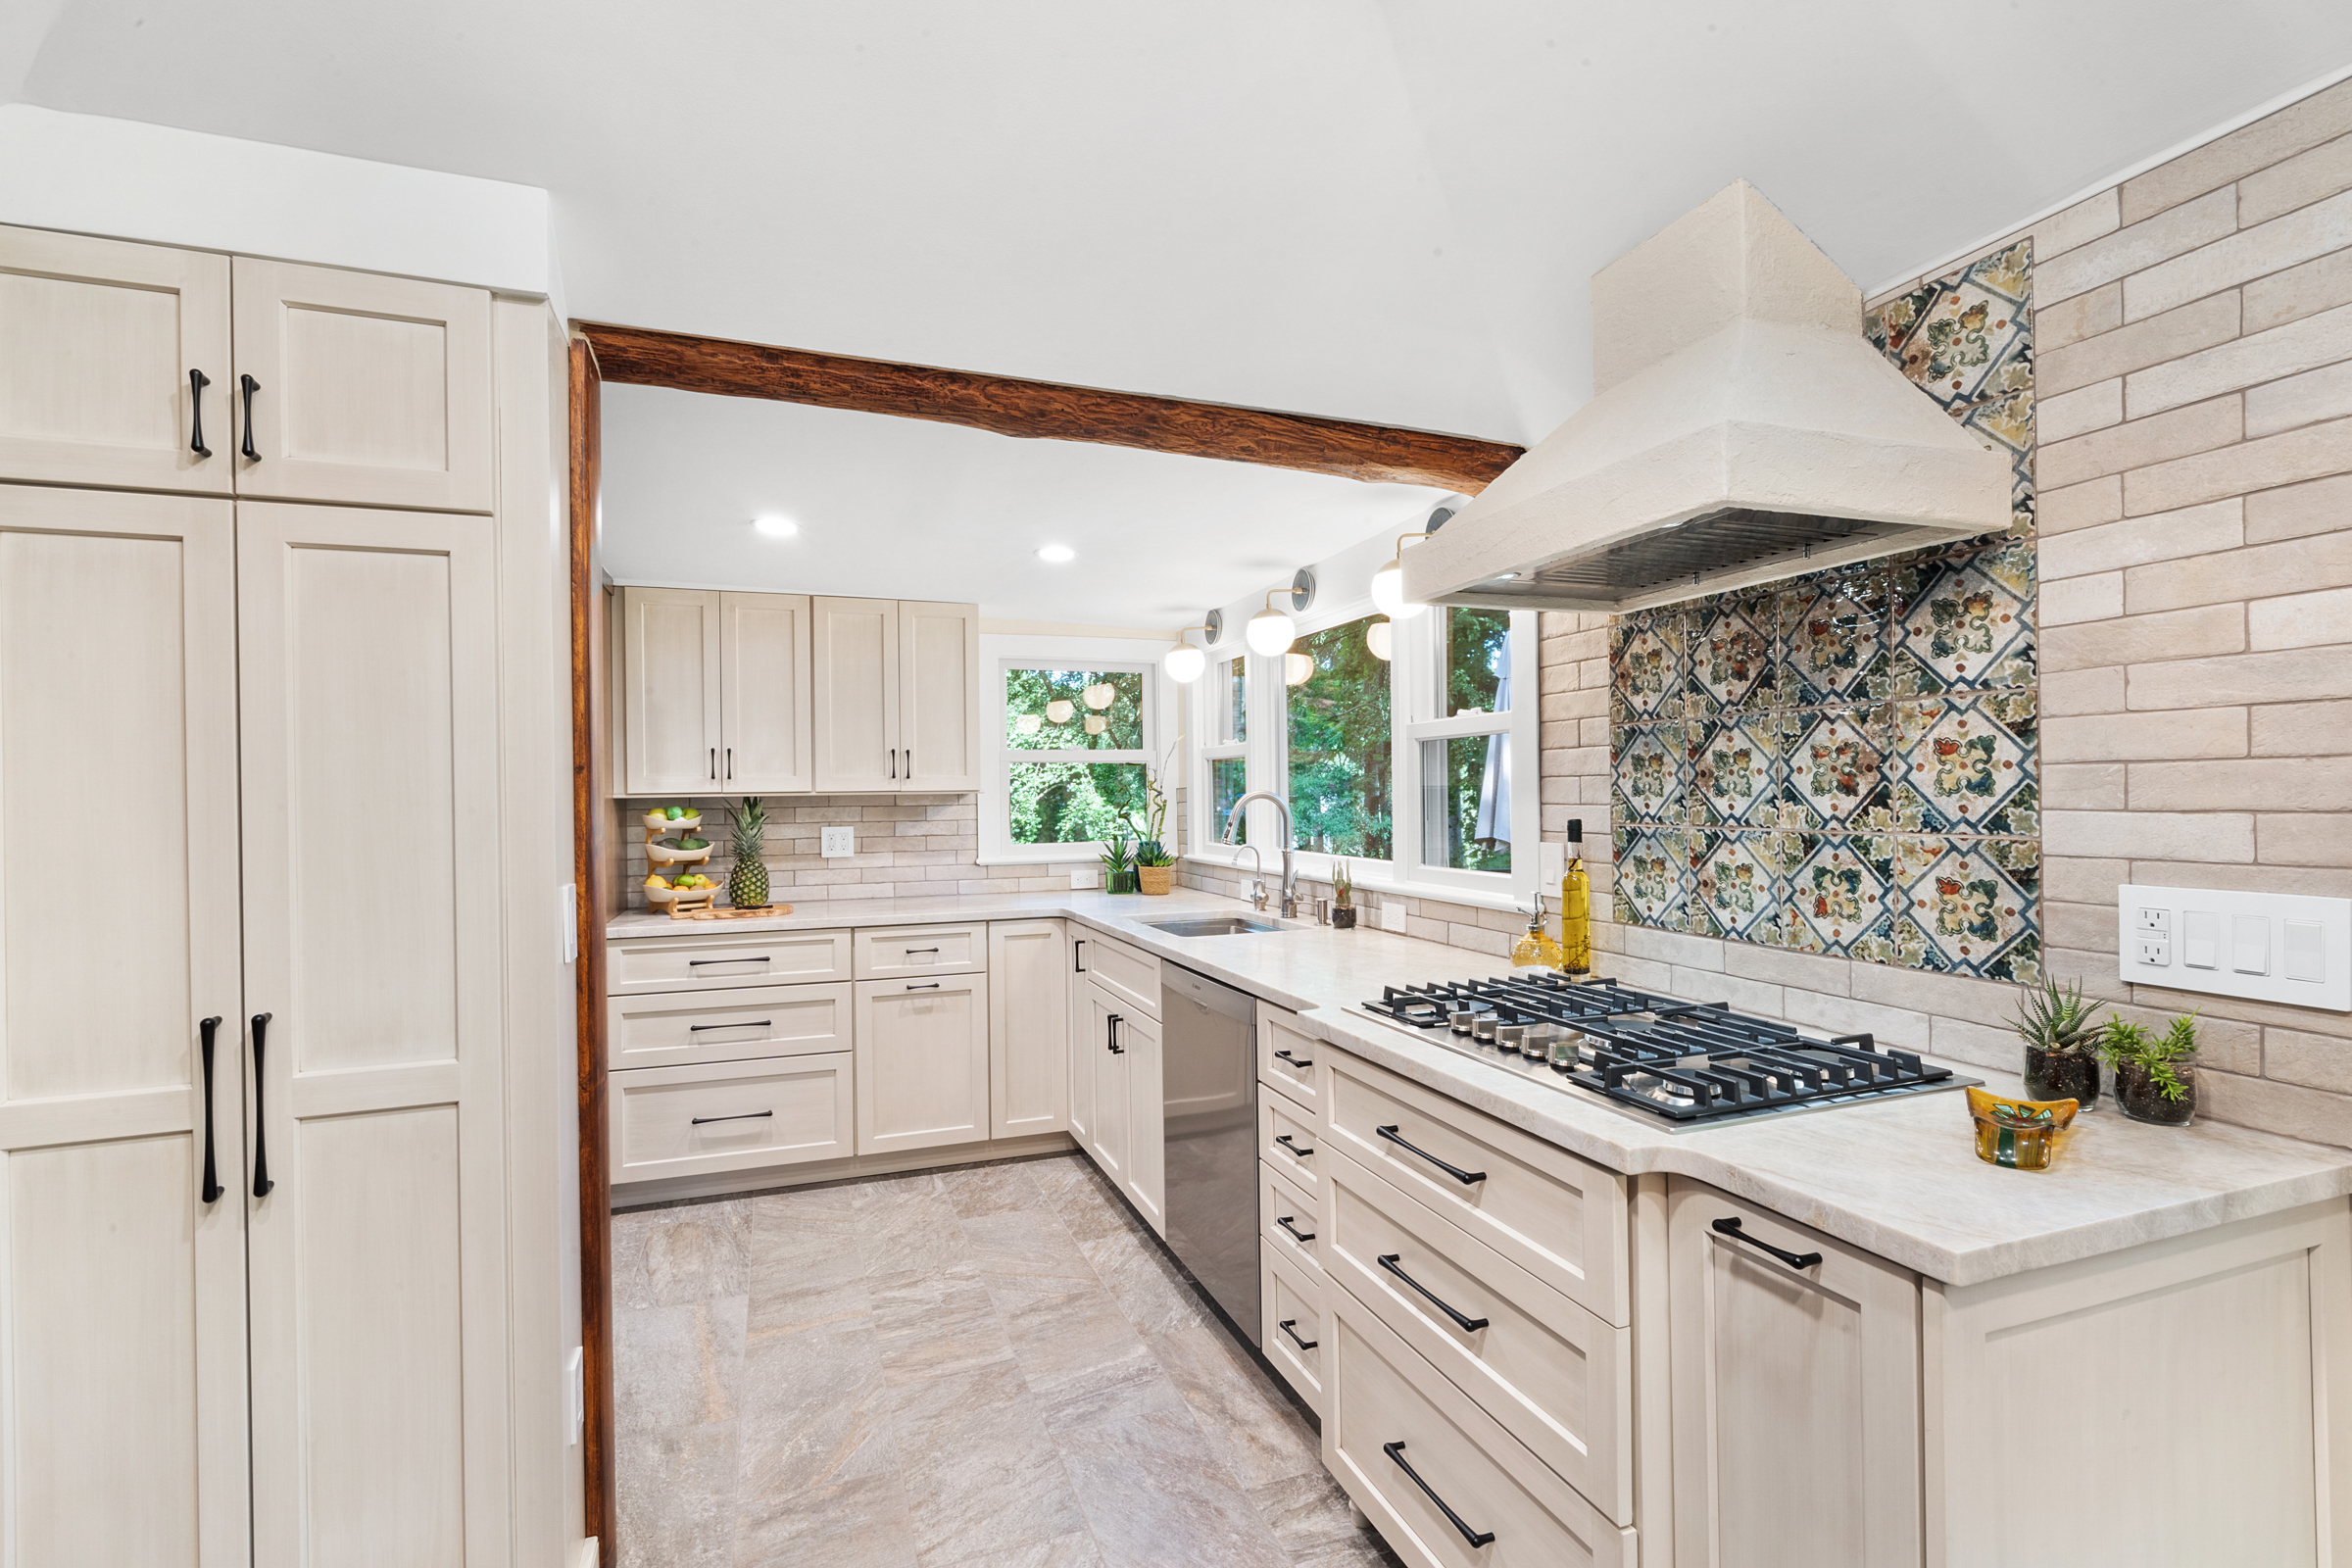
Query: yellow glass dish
column 2022, row 1134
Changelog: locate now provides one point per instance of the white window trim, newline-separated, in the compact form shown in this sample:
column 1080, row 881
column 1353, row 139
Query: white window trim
column 998, row 653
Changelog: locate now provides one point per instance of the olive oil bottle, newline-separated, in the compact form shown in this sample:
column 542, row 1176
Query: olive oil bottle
column 1575, row 906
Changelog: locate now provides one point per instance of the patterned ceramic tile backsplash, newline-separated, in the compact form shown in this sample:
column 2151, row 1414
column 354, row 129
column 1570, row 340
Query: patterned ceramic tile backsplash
column 1845, row 763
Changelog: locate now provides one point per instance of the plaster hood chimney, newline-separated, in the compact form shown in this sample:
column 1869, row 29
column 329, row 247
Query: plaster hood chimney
column 1742, row 429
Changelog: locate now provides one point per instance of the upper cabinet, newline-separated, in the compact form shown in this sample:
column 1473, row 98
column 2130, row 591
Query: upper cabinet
column 939, row 713
column 898, row 696
column 763, row 719
column 357, row 387
column 714, row 692
column 113, row 365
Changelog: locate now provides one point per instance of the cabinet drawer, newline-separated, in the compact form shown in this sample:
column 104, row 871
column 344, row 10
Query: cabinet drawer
column 1387, row 1408
column 1288, row 1141
column 1286, row 1058
column 643, row 964
column 1129, row 974
column 1561, row 1218
column 686, row 1121
column 1291, row 1221
column 667, row 1028
column 904, row 950
column 1558, row 1378
column 1293, row 1330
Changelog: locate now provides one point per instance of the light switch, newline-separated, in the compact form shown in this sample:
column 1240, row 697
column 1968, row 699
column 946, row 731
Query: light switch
column 2304, row 955
column 2155, row 920
column 2250, row 944
column 835, row 842
column 2200, row 939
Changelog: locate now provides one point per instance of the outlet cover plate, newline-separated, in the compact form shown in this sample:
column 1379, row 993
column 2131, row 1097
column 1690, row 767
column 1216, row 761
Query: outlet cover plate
column 836, row 842
column 1080, row 881
column 2188, row 939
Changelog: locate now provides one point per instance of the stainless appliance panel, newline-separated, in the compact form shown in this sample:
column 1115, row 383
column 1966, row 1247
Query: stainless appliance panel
column 1208, row 1083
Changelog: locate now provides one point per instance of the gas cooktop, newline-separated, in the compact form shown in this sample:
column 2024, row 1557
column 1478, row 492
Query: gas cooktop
column 1684, row 1063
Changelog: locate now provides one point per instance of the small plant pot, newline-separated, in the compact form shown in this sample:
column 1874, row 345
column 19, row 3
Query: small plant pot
column 2142, row 1097
column 1343, row 917
column 2062, row 1075
column 1156, row 880
column 1120, row 882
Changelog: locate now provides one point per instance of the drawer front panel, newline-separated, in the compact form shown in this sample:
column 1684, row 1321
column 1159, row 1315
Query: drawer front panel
column 1555, row 1376
column 1293, row 1331
column 1129, row 974
column 1290, row 1221
column 1561, row 1218
column 914, row 949
column 1287, row 1139
column 1389, row 1409
column 643, row 964
column 1286, row 1058
column 668, row 1029
column 687, row 1121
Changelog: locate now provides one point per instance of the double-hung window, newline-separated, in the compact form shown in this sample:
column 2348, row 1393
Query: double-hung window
column 1224, row 709
column 1341, row 772
column 1071, row 752
column 1475, row 808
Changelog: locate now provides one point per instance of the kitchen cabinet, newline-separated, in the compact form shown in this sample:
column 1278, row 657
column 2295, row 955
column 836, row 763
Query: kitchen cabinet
column 765, row 739
column 714, row 693
column 922, row 1063
column 1028, row 1029
column 113, row 365
column 1115, row 1061
column 706, row 1119
column 741, row 1024
column 897, row 703
column 1146, row 1183
column 938, row 698
column 1100, row 1063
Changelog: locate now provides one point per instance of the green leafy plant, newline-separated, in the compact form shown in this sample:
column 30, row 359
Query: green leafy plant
column 2123, row 1043
column 2051, row 1019
column 1342, row 885
column 1117, row 855
column 1151, row 852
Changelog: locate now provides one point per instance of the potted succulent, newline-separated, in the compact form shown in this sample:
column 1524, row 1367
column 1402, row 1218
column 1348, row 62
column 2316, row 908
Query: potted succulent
column 1342, row 895
column 1155, row 867
column 1118, row 866
column 2062, row 1044
column 2154, row 1078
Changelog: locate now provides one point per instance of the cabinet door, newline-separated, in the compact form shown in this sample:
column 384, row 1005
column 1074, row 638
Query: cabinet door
column 1146, row 1182
column 98, row 340
column 1107, row 1075
column 764, row 694
column 922, row 1063
column 938, row 696
column 1797, row 1418
column 854, row 657
column 370, row 786
column 123, row 1282
column 671, row 686
column 1028, row 1029
column 1085, row 1044
column 364, row 388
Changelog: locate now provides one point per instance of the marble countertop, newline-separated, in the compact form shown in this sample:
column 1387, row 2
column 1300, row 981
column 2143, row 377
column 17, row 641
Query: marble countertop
column 1898, row 1177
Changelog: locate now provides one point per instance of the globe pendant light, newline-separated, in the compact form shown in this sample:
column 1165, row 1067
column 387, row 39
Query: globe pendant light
column 1270, row 632
column 1297, row 669
column 1380, row 637
column 1387, row 584
column 1099, row 694
column 1185, row 662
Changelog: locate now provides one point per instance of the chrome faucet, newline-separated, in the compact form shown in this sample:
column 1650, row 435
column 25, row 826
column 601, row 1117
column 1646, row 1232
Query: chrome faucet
column 1290, row 875
column 1257, row 887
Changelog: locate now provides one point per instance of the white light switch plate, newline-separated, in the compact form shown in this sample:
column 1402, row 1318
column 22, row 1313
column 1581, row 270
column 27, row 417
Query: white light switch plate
column 835, row 842
column 2265, row 947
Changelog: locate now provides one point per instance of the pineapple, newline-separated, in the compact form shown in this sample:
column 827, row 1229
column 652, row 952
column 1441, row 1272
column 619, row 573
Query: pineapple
column 747, row 884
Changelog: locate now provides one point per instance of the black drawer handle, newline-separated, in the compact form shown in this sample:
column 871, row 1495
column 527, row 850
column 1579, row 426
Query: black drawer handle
column 1730, row 1226
column 1284, row 1055
column 1468, row 1178
column 1296, row 1235
column 262, row 1184
column 1077, row 955
column 698, row 1028
column 1468, row 1325
column 211, row 1179
column 197, row 383
column 696, row 963
column 251, row 386
column 741, row 1115
column 1111, row 1034
column 911, row 951
column 930, row 985
column 1283, row 1139
column 1303, row 1345
column 1476, row 1538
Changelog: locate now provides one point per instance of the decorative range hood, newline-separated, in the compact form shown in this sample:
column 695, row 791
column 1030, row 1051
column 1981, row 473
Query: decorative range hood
column 1742, row 429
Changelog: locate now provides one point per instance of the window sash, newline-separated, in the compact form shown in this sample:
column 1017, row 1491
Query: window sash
column 997, row 847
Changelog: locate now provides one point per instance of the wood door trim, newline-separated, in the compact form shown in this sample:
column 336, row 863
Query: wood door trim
column 601, row 1489
column 1013, row 405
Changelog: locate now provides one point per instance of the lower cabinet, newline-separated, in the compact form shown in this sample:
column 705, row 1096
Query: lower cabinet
column 1292, row 1329
column 922, row 1063
column 1116, row 1110
column 730, row 1115
column 1029, row 1029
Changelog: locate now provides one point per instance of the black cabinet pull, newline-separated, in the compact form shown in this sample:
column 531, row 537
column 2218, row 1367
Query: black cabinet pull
column 1111, row 1035
column 212, row 1180
column 893, row 762
column 261, row 1114
column 249, row 387
column 1468, row 1178
column 741, row 1115
column 1730, row 1226
column 1284, row 1055
column 1078, row 954
column 197, row 383
column 1296, row 1235
column 730, row 762
column 715, row 761
column 1303, row 1345
column 698, row 1028
column 910, row 761
column 1468, row 1325
column 911, row 951
column 929, row 985
column 696, row 963
column 1283, row 1139
column 1476, row 1538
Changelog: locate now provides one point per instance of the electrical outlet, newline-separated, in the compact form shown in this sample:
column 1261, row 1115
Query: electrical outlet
column 836, row 842
column 2157, row 950
column 1080, row 881
column 2266, row 946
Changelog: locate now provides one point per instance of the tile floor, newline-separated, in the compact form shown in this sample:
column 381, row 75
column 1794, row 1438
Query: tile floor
column 993, row 1366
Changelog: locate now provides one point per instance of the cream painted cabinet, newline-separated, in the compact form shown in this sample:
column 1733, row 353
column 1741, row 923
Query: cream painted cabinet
column 856, row 656
column 939, row 683
column 1085, row 1042
column 1028, row 1029
column 114, row 364
column 1146, row 1182
column 670, row 703
column 360, row 387
column 1116, row 1066
column 922, row 1063
column 1105, row 1076
column 765, row 744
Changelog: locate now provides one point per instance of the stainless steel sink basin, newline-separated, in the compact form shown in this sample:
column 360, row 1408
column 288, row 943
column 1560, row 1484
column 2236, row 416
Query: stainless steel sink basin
column 1212, row 925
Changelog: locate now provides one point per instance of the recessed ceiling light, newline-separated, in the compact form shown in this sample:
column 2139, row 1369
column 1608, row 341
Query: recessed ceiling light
column 777, row 527
column 1058, row 553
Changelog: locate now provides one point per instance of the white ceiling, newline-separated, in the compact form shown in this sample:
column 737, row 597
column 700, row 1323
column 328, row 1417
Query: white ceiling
column 1376, row 209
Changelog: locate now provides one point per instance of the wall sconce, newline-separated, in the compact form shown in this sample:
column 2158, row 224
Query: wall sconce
column 1270, row 632
column 1185, row 662
column 1298, row 668
column 1381, row 638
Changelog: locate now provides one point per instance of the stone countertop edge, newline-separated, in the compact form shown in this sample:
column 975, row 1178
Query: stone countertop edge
column 1897, row 1178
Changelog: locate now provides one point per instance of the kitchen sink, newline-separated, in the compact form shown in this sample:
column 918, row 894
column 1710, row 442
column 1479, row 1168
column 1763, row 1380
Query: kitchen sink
column 1212, row 925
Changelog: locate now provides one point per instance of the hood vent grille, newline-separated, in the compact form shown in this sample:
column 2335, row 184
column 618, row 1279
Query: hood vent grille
column 1681, row 557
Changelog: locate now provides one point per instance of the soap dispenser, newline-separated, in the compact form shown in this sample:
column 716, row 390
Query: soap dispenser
column 1575, row 906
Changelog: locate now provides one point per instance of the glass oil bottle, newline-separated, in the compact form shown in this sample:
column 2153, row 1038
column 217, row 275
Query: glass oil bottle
column 1536, row 949
column 1576, row 906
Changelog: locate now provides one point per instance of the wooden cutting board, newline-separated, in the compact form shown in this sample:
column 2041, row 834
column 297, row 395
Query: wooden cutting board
column 769, row 913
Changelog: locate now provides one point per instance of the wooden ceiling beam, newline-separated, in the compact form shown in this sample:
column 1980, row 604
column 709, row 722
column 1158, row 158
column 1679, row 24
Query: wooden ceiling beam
column 1046, row 410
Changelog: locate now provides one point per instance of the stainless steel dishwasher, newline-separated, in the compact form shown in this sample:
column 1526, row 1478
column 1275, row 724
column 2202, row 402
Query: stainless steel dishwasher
column 1208, row 1084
